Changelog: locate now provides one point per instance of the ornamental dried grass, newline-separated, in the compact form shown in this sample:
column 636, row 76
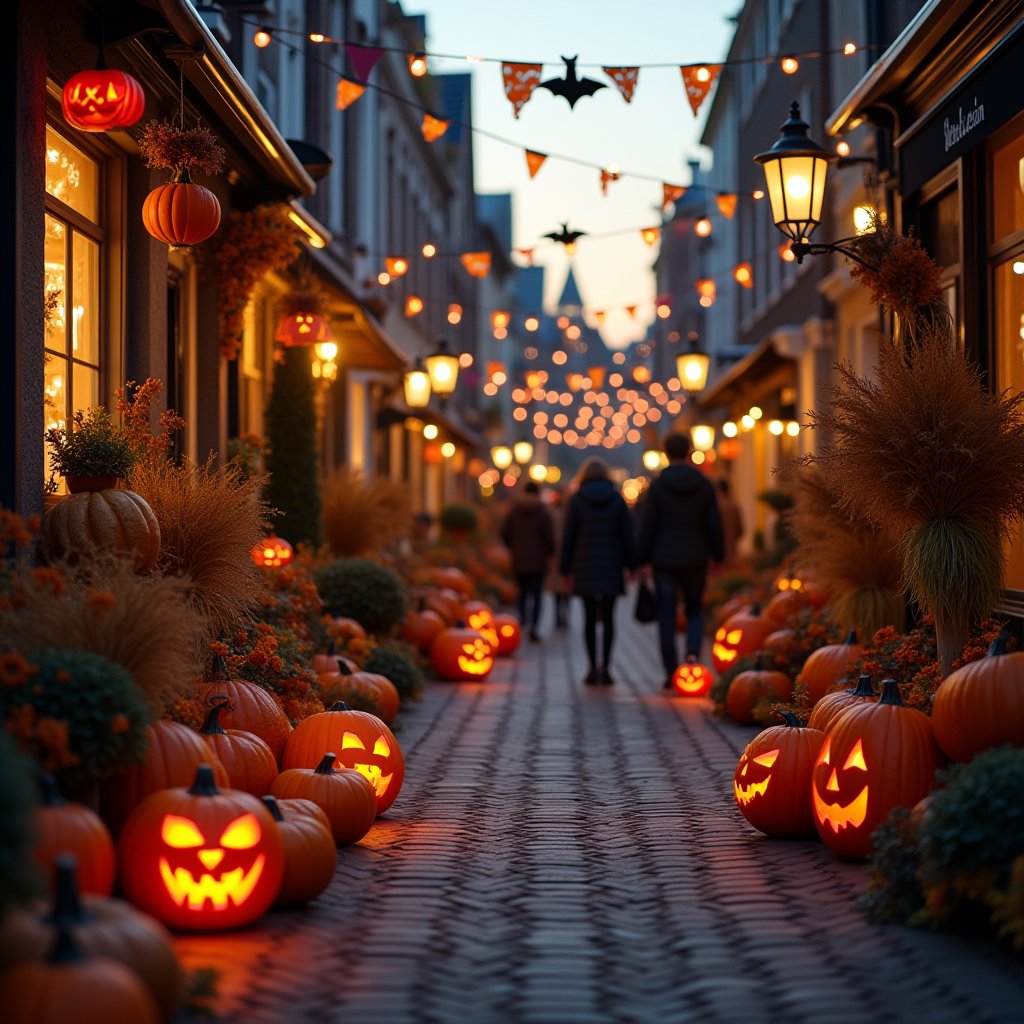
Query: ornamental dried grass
column 361, row 517
column 210, row 520
column 170, row 146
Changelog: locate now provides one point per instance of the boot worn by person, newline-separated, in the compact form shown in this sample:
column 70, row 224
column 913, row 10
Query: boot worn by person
column 593, row 676
column 606, row 679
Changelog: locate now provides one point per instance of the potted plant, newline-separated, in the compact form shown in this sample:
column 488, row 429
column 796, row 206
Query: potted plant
column 92, row 454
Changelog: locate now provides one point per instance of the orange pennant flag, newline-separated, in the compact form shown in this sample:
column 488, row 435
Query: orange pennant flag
column 727, row 204
column 397, row 265
column 433, row 127
column 631, row 310
column 348, row 92
column 520, row 81
column 697, row 80
column 625, row 80
column 534, row 161
column 670, row 193
column 477, row 264
column 596, row 375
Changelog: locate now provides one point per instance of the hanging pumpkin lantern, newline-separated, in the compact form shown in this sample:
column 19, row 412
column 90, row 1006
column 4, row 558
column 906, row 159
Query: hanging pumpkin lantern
column 827, row 665
column 201, row 859
column 102, row 100
column 751, row 686
column 828, row 709
column 510, row 634
column 63, row 827
column 741, row 634
column 876, row 756
column 981, row 704
column 310, row 856
column 346, row 796
column 181, row 212
column 692, row 679
column 421, row 627
column 361, row 742
column 480, row 617
column 302, row 328
column 248, row 761
column 773, row 779
column 459, row 654
column 272, row 552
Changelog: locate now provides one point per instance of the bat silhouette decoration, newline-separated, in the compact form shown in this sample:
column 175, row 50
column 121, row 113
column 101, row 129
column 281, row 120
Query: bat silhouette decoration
column 571, row 88
column 565, row 236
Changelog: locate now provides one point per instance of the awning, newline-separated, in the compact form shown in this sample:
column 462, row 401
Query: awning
column 449, row 424
column 763, row 361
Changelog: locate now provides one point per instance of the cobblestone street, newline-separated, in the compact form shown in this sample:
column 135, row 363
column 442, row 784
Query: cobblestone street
column 564, row 853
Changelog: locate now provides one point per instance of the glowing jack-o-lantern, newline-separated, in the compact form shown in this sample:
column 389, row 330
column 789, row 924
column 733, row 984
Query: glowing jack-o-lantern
column 461, row 654
column 480, row 617
column 741, row 634
column 692, row 679
column 510, row 633
column 102, row 100
column 876, row 756
column 201, row 859
column 773, row 779
column 273, row 552
column 360, row 741
column 302, row 328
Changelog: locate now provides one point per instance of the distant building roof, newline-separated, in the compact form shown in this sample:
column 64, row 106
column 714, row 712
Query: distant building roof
column 528, row 289
column 453, row 100
column 570, row 298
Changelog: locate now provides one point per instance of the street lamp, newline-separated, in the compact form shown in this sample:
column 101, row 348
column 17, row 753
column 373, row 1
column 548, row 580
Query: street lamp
column 651, row 459
column 538, row 473
column 702, row 436
column 501, row 456
column 692, row 365
column 523, row 452
column 417, row 386
column 443, row 368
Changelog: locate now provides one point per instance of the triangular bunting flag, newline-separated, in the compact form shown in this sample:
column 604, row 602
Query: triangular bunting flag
column 697, row 80
column 363, row 59
column 433, row 127
column 520, row 81
column 534, row 161
column 625, row 80
column 527, row 255
column 631, row 310
column 348, row 93
column 477, row 264
column 727, row 204
column 671, row 193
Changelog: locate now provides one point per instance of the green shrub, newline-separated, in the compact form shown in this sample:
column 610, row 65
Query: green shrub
column 894, row 894
column 395, row 661
column 92, row 445
column 371, row 593
column 18, row 876
column 459, row 517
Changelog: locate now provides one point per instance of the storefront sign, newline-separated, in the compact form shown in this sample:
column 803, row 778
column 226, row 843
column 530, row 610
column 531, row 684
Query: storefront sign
column 957, row 130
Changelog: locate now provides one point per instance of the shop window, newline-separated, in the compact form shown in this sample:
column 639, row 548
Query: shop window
column 940, row 235
column 1008, row 188
column 72, row 258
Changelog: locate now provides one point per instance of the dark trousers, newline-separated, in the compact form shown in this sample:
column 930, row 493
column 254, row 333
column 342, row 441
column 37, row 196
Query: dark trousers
column 531, row 586
column 599, row 609
column 667, row 584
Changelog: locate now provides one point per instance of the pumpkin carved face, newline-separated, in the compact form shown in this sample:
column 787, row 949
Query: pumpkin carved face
column 475, row 657
column 480, row 617
column 302, row 329
column 692, row 679
column 839, row 815
column 510, row 634
column 741, row 634
column 101, row 100
column 461, row 654
column 273, row 552
column 747, row 789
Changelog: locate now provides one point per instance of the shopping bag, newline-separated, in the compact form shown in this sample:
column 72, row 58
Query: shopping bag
column 645, row 609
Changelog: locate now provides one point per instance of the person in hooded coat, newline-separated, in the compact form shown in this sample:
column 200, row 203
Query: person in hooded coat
column 597, row 550
column 529, row 534
column 680, row 533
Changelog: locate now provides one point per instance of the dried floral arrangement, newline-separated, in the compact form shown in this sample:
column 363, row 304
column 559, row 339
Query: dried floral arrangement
column 135, row 404
column 306, row 297
column 168, row 144
column 361, row 516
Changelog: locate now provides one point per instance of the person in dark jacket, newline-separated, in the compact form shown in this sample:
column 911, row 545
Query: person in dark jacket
column 529, row 534
column 597, row 549
column 680, row 532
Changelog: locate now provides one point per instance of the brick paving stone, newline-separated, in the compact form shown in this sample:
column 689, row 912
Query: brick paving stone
column 564, row 854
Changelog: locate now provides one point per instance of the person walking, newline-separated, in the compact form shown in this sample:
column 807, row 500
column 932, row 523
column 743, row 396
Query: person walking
column 555, row 581
column 732, row 522
column 529, row 534
column 680, row 532
column 597, row 550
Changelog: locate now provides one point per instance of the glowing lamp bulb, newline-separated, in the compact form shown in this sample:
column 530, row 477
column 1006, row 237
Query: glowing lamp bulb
column 703, row 227
column 797, row 186
column 538, row 473
column 448, row 449
column 793, row 428
column 776, row 427
column 790, row 65
column 413, row 305
column 430, row 431
column 417, row 65
column 326, row 350
column 729, row 429
column 262, row 38
column 755, row 412
column 531, row 324
column 429, row 251
column 843, row 148
column 702, row 74
column 850, row 49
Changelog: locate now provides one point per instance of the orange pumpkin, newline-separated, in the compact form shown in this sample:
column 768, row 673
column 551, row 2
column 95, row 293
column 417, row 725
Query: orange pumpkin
column 480, row 617
column 63, row 827
column 782, row 641
column 273, row 552
column 362, row 742
column 420, row 627
column 451, row 578
column 249, row 762
column 741, row 634
column 346, row 796
column 304, row 328
column 343, row 628
column 749, row 687
column 201, row 859
column 330, row 661
column 510, row 634
column 291, row 806
column 181, row 213
column 109, row 520
column 309, row 856
column 692, row 679
column 828, row 709
column 827, row 665
column 336, row 685
column 461, row 654
column 102, row 100
column 782, row 606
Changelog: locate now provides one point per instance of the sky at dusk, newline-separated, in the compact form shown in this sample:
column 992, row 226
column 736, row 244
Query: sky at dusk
column 655, row 135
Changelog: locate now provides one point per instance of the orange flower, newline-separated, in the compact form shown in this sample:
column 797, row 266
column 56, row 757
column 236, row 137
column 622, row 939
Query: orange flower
column 218, row 648
column 14, row 669
column 119, row 723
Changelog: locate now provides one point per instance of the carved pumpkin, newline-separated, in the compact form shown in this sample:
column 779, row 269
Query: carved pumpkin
column 827, row 665
column 751, row 686
column 875, row 757
column 421, row 627
column 296, row 330
column 272, row 552
column 249, row 762
column 510, row 634
column 480, row 617
column 252, row 708
column 201, row 859
column 741, row 634
column 63, row 827
column 786, row 582
column 773, row 779
column 309, row 856
column 692, row 679
column 110, row 520
column 461, row 654
column 361, row 742
column 345, row 795
column 173, row 755
column 828, row 709
column 100, row 927
column 180, row 212
column 102, row 100
column 981, row 704
column 782, row 606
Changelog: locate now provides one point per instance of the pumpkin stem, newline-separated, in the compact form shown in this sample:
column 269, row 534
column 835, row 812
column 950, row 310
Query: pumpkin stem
column 997, row 647
column 890, row 693
column 755, row 608
column 65, row 950
column 220, row 666
column 271, row 805
column 212, row 726
column 759, row 664
column 343, row 669
column 851, row 637
column 183, row 177
column 460, row 624
column 326, row 766
column 339, row 705
column 205, row 784
column 863, row 687
column 791, row 720
column 67, row 903
column 50, row 794
column 331, row 649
